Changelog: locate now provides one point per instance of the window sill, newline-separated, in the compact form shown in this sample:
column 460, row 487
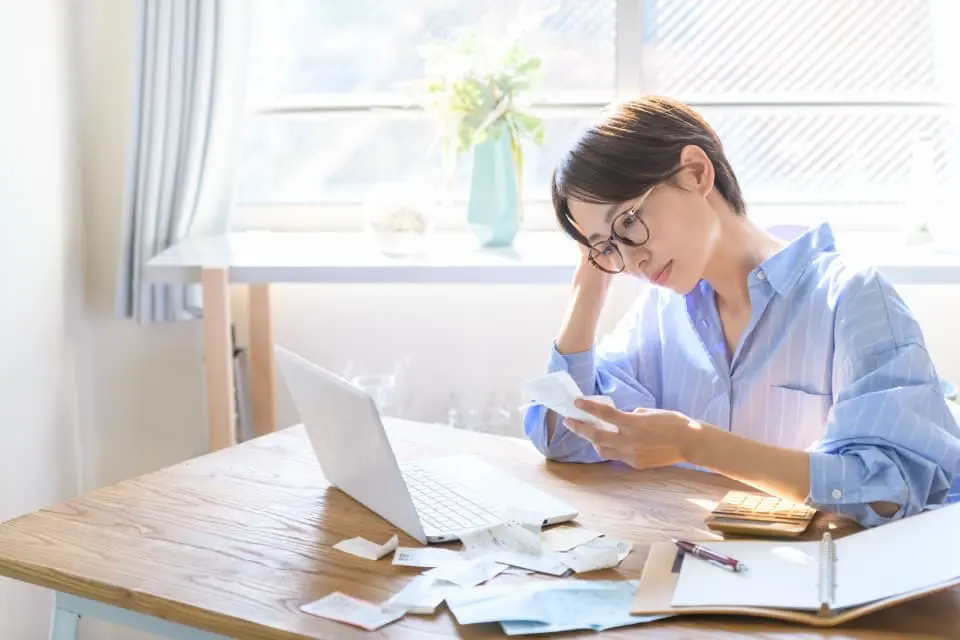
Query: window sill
column 452, row 257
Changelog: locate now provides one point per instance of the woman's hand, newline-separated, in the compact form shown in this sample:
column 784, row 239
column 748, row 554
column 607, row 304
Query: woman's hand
column 645, row 439
column 589, row 294
column 589, row 276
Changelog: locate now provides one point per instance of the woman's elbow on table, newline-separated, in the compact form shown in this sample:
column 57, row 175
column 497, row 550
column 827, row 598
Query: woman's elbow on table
column 545, row 430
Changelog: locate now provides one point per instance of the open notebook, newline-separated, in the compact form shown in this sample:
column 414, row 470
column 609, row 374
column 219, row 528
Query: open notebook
column 821, row 583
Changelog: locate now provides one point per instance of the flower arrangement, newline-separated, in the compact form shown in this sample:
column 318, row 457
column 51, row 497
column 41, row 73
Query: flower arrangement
column 478, row 87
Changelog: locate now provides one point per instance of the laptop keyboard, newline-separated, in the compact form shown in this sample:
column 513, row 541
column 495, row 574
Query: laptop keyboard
column 443, row 508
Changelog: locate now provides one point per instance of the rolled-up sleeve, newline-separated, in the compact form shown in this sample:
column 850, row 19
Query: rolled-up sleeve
column 625, row 366
column 891, row 436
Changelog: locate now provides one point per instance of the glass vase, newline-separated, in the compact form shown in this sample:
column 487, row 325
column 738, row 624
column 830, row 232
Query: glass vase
column 493, row 209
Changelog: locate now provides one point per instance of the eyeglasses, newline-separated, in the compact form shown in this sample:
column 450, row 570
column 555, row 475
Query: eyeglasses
column 628, row 229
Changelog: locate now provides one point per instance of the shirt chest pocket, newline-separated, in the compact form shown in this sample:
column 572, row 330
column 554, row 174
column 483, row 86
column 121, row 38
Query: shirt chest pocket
column 797, row 418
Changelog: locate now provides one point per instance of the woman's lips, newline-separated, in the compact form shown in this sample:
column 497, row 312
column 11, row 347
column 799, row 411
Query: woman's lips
column 661, row 276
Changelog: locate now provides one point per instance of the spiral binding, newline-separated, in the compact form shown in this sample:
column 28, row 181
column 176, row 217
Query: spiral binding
column 827, row 584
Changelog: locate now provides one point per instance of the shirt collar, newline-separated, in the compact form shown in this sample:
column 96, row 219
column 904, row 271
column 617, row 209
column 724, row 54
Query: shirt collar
column 784, row 268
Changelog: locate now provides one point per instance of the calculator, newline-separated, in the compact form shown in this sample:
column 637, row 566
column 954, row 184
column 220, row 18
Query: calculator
column 759, row 514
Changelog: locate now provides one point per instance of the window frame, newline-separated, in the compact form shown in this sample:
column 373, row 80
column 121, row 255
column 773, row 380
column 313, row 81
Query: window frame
column 538, row 216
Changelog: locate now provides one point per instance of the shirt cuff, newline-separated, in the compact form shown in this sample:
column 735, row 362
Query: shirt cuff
column 581, row 366
column 848, row 483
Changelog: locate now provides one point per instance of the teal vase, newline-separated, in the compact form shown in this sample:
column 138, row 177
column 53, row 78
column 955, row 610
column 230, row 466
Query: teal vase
column 493, row 212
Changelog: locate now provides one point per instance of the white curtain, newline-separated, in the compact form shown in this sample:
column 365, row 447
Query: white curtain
column 189, row 87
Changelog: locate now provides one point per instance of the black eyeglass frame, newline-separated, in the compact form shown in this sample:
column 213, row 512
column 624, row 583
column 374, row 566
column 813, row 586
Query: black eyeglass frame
column 615, row 238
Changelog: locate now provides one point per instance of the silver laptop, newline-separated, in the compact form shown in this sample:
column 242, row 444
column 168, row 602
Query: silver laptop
column 431, row 500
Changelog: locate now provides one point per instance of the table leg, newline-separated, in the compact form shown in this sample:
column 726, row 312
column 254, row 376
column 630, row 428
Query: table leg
column 218, row 359
column 263, row 376
column 65, row 625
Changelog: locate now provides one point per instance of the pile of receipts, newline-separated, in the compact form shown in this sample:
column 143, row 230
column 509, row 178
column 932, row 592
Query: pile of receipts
column 521, row 606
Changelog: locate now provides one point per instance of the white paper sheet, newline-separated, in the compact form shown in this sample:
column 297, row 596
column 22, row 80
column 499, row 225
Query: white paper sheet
column 559, row 604
column 359, row 613
column 557, row 391
column 467, row 573
column 420, row 596
column 903, row 556
column 501, row 537
column 512, row 545
column 548, row 562
column 601, row 553
column 427, row 557
column 779, row 574
column 530, row 520
column 363, row 548
column 565, row 538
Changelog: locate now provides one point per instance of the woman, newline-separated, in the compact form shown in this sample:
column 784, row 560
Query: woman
column 778, row 365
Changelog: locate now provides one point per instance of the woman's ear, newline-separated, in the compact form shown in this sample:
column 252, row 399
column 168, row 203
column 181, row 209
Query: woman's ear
column 699, row 171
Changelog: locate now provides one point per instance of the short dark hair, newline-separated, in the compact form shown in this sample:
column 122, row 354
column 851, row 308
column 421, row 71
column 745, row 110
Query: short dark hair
column 631, row 149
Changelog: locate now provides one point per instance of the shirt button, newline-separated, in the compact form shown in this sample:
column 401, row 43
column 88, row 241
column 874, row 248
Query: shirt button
column 837, row 494
column 761, row 275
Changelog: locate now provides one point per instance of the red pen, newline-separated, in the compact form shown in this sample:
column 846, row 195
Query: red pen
column 710, row 556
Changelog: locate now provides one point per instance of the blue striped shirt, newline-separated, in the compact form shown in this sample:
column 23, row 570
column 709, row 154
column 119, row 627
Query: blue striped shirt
column 831, row 362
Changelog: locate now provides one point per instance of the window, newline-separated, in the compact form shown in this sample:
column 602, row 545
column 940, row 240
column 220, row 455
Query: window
column 818, row 102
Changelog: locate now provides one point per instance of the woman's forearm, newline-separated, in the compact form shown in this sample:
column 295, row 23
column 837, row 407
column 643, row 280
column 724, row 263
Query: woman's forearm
column 579, row 328
column 775, row 470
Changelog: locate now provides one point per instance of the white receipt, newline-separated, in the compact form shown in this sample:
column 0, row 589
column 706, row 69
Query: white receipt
column 557, row 391
column 548, row 562
column 422, row 595
column 425, row 557
column 602, row 553
column 514, row 516
column 514, row 545
column 467, row 573
column 566, row 538
column 359, row 613
column 363, row 548
column 501, row 537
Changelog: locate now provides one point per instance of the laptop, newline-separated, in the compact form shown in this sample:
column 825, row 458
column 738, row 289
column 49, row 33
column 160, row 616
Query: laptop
column 431, row 500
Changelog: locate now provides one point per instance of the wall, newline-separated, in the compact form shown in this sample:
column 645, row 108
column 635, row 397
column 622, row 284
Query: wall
column 39, row 259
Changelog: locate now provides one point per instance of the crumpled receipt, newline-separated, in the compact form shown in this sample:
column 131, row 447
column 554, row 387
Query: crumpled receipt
column 501, row 537
column 467, row 573
column 359, row 613
column 565, row 538
column 422, row 595
column 557, row 391
column 601, row 553
column 513, row 544
column 363, row 548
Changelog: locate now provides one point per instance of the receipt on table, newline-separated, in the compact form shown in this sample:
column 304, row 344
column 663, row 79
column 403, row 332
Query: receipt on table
column 359, row 613
column 467, row 573
column 422, row 595
column 513, row 545
column 602, row 553
column 557, row 391
column 514, row 516
column 564, row 538
column 549, row 562
column 363, row 548
column 501, row 537
column 426, row 557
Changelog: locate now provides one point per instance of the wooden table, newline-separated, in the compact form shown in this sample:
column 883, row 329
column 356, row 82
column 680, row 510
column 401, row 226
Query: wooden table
column 259, row 259
column 232, row 543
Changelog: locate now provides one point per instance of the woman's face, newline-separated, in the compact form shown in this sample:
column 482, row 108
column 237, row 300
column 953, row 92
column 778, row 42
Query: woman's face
column 683, row 230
